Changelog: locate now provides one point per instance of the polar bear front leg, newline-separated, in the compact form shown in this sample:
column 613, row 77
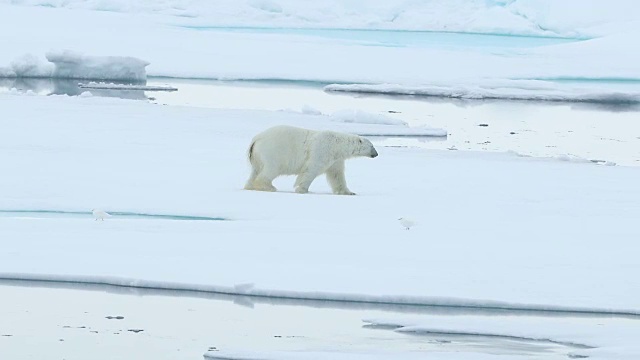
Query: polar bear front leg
column 335, row 178
column 304, row 180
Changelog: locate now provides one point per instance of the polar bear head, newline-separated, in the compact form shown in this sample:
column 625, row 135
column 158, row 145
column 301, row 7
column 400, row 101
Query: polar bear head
column 364, row 147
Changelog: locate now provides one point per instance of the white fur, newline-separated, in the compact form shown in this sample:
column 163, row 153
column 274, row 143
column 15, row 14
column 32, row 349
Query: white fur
column 288, row 150
column 100, row 214
column 406, row 223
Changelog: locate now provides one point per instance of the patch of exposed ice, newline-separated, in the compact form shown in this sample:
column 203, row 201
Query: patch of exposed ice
column 535, row 90
column 363, row 117
column 309, row 110
column 249, row 289
column 111, row 86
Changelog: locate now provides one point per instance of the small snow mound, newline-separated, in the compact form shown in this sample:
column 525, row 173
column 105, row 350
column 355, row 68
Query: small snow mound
column 6, row 72
column 306, row 109
column 266, row 5
column 30, row 66
column 572, row 158
column 361, row 117
column 72, row 65
column 86, row 94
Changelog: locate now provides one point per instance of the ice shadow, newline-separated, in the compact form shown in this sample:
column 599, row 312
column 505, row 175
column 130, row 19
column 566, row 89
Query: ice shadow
column 249, row 300
column 44, row 214
column 69, row 87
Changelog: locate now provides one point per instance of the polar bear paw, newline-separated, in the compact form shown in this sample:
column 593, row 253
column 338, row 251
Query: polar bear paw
column 269, row 188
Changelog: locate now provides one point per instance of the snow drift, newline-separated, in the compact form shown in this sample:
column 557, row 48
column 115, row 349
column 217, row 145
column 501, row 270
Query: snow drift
column 534, row 90
column 72, row 65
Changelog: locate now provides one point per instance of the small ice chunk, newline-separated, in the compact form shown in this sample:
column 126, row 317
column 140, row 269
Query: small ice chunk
column 72, row 65
column 31, row 66
column 306, row 109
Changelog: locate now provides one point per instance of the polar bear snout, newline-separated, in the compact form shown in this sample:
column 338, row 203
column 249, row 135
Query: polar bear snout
column 374, row 153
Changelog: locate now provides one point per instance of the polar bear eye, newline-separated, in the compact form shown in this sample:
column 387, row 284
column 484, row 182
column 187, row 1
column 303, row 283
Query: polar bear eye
column 360, row 141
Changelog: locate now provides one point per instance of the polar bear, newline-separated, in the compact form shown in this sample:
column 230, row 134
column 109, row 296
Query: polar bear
column 288, row 150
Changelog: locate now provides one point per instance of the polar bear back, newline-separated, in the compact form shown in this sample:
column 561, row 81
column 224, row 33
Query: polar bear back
column 285, row 148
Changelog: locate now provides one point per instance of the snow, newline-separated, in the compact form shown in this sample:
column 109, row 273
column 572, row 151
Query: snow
column 443, row 69
column 581, row 336
column 71, row 65
column 394, row 127
column 498, row 231
column 112, row 86
column 65, row 64
column 363, row 117
column 309, row 110
column 320, row 355
column 530, row 17
column 29, row 66
column 534, row 90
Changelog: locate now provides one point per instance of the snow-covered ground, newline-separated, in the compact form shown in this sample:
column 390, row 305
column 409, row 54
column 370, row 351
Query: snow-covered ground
column 523, row 17
column 492, row 228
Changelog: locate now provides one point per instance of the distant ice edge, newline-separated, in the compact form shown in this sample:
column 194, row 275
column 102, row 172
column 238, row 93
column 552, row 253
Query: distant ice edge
column 525, row 90
column 251, row 291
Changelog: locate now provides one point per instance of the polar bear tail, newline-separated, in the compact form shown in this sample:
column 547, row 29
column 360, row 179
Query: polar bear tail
column 253, row 159
column 250, row 152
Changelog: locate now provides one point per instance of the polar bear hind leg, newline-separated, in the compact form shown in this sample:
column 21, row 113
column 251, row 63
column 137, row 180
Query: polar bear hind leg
column 264, row 180
column 252, row 178
column 261, row 178
column 259, row 182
